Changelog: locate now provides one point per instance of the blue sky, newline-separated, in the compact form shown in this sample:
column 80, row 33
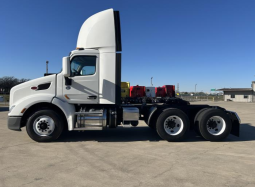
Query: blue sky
column 209, row 43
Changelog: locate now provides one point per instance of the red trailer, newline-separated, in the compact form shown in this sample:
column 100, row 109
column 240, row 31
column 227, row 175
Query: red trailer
column 137, row 91
column 160, row 92
column 170, row 90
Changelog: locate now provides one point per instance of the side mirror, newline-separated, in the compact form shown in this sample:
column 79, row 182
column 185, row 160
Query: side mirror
column 66, row 66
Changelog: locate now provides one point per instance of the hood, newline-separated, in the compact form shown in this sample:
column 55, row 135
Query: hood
column 41, row 85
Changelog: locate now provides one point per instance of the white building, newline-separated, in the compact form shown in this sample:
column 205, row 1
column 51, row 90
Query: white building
column 239, row 94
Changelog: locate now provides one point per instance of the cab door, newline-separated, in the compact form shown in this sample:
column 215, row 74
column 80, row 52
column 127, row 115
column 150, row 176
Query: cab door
column 84, row 82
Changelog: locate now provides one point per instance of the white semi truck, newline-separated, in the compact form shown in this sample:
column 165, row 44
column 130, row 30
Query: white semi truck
column 86, row 95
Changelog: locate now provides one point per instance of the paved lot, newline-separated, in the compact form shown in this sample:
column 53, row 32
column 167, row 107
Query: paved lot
column 129, row 157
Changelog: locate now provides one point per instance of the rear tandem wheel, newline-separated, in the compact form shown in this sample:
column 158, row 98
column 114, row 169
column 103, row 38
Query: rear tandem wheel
column 172, row 125
column 214, row 124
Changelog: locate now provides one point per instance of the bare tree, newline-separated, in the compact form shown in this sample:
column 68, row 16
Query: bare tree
column 7, row 82
column 23, row 80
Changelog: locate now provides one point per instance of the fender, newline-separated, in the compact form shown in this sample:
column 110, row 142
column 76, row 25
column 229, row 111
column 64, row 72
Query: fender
column 69, row 111
column 152, row 111
column 28, row 101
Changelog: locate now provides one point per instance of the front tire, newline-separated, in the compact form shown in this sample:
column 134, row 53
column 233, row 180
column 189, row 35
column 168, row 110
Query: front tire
column 44, row 126
column 172, row 125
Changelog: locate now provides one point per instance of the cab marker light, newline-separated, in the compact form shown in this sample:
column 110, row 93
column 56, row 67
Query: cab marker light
column 67, row 97
column 22, row 111
column 79, row 48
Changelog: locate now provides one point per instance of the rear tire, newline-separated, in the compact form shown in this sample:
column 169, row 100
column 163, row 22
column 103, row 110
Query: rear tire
column 196, row 122
column 172, row 125
column 214, row 124
column 44, row 126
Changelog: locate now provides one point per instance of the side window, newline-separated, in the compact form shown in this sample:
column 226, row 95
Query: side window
column 83, row 65
column 232, row 95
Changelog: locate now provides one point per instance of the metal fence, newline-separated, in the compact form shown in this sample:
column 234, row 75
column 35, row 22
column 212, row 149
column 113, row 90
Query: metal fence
column 4, row 100
column 202, row 98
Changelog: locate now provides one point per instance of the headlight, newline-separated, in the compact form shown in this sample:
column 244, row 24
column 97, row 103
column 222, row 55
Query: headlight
column 10, row 109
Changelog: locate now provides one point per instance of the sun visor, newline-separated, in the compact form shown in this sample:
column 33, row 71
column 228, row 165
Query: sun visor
column 101, row 31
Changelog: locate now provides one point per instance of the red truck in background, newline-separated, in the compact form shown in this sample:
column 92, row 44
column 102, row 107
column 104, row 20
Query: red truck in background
column 137, row 91
column 160, row 92
column 169, row 90
column 138, row 94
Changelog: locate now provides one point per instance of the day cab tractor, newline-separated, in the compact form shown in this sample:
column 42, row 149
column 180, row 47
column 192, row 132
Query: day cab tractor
column 86, row 95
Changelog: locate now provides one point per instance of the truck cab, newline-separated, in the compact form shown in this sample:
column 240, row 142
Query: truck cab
column 81, row 84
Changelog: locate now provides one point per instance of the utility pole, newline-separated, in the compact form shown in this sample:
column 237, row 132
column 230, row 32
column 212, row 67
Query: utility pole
column 47, row 62
column 178, row 87
column 151, row 81
column 195, row 88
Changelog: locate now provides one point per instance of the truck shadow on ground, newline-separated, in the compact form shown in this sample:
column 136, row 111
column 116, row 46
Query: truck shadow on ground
column 143, row 133
column 4, row 109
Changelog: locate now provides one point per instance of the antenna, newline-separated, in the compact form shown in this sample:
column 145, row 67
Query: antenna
column 47, row 62
column 151, row 81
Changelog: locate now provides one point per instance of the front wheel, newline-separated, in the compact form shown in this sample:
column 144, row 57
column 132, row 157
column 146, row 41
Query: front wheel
column 44, row 126
column 172, row 125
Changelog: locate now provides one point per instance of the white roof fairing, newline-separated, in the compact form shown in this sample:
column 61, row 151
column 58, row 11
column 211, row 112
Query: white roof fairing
column 98, row 32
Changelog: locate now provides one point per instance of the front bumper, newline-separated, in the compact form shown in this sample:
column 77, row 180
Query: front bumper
column 236, row 121
column 14, row 123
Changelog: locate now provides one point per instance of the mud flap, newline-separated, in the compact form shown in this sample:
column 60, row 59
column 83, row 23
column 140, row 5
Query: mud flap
column 235, row 123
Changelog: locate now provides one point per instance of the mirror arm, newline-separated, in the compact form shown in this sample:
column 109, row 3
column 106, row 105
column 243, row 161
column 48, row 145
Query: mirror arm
column 68, row 81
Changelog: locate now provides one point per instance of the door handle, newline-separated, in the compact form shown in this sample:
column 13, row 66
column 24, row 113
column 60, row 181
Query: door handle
column 92, row 97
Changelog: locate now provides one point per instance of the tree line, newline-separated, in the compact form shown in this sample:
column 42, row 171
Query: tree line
column 7, row 82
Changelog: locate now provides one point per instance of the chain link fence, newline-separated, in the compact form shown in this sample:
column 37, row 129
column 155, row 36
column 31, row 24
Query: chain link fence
column 201, row 98
column 4, row 100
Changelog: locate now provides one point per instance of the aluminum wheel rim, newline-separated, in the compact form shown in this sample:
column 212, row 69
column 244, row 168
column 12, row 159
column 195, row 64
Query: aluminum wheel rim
column 216, row 125
column 173, row 125
column 44, row 125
